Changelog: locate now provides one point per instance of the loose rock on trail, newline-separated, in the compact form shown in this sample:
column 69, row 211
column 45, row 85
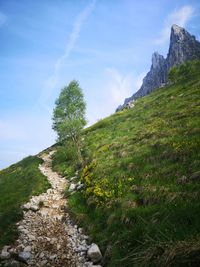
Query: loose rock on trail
column 47, row 235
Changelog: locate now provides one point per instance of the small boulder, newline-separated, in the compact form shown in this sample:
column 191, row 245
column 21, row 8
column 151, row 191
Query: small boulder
column 27, row 249
column 49, row 191
column 34, row 208
column 80, row 230
column 26, row 206
column 43, row 263
column 94, row 253
column 4, row 253
column 31, row 237
column 30, row 206
column 72, row 187
column 24, row 231
column 24, row 256
column 52, row 257
column 42, row 255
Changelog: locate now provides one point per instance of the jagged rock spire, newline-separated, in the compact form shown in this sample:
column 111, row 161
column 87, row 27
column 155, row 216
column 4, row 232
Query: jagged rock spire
column 183, row 47
column 177, row 30
column 157, row 60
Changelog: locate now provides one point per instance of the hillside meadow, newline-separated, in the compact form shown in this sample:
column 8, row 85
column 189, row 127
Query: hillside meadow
column 141, row 197
column 141, row 175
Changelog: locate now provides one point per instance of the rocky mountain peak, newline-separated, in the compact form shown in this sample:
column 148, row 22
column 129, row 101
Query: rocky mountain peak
column 177, row 30
column 157, row 60
column 179, row 34
column 183, row 47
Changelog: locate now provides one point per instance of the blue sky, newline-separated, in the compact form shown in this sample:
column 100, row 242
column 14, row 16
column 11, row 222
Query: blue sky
column 105, row 44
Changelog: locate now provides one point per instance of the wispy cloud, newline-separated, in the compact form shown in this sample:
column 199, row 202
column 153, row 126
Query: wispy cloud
column 3, row 18
column 180, row 17
column 122, row 86
column 73, row 38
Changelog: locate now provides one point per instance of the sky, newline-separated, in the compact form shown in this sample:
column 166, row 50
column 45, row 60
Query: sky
column 105, row 44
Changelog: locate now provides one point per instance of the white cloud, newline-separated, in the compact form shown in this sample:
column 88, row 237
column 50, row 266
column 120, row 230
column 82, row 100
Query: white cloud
column 112, row 91
column 73, row 38
column 122, row 86
column 179, row 17
column 3, row 18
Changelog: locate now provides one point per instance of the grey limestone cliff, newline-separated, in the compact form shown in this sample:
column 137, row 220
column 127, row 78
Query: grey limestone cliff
column 183, row 47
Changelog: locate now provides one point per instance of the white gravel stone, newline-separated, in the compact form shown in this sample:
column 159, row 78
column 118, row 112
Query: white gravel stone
column 48, row 237
column 94, row 253
column 27, row 249
column 4, row 255
column 72, row 187
column 34, row 208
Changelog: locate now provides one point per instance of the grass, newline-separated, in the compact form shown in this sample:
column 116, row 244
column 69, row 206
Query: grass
column 135, row 205
column 17, row 184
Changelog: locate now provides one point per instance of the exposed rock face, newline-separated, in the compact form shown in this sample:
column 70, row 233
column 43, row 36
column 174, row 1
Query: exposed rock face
column 183, row 47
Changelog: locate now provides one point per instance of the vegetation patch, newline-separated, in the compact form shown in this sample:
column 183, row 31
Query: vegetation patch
column 17, row 184
column 140, row 201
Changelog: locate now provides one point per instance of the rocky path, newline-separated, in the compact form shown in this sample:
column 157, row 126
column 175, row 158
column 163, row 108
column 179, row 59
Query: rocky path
column 47, row 235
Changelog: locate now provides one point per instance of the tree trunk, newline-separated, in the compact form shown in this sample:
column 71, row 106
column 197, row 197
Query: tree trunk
column 78, row 148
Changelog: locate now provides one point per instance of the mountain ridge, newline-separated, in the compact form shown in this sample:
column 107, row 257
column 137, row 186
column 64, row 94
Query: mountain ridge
column 183, row 47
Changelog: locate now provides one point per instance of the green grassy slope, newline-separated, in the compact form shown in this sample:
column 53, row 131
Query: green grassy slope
column 17, row 184
column 141, row 201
